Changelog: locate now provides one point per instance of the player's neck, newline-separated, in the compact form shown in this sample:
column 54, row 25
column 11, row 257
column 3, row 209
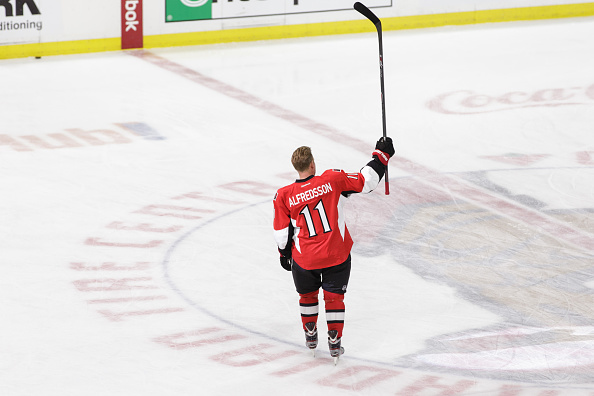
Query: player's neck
column 305, row 175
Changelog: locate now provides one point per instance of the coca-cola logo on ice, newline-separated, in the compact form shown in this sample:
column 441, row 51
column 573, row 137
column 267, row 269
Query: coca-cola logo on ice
column 470, row 102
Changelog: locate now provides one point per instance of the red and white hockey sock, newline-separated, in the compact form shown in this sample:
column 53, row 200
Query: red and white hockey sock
column 334, row 311
column 309, row 307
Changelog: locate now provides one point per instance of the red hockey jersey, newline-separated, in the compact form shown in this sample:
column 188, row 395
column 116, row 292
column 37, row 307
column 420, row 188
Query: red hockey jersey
column 314, row 208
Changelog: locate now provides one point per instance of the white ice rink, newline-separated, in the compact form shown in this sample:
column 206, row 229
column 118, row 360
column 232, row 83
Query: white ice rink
column 136, row 248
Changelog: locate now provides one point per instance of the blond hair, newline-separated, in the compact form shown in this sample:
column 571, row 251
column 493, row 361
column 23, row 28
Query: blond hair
column 302, row 158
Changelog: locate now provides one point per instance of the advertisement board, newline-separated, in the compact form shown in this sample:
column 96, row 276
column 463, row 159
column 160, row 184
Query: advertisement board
column 51, row 27
column 193, row 10
column 21, row 21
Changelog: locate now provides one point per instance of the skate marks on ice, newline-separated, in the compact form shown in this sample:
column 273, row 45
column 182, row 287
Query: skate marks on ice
column 540, row 286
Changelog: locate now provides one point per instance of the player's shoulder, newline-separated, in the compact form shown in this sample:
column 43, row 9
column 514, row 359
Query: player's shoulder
column 284, row 190
column 333, row 173
column 339, row 174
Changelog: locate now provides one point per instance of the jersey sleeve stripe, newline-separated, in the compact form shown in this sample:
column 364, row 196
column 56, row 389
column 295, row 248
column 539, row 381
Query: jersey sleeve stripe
column 281, row 237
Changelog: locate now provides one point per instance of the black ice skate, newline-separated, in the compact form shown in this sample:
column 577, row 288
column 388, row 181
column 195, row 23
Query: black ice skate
column 311, row 336
column 334, row 344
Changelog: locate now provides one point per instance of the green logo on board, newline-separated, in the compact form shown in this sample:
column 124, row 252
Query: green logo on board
column 188, row 10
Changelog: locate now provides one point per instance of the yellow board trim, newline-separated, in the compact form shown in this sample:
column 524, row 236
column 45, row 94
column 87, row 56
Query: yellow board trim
column 360, row 26
column 304, row 30
column 60, row 48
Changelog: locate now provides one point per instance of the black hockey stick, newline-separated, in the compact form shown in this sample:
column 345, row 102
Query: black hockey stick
column 378, row 25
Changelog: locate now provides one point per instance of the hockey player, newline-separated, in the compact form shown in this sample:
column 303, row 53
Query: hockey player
column 313, row 240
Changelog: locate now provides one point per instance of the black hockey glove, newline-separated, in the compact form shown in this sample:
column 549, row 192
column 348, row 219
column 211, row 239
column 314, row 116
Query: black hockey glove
column 385, row 147
column 286, row 262
column 384, row 150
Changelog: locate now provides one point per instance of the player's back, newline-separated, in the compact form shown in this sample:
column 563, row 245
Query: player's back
column 321, row 238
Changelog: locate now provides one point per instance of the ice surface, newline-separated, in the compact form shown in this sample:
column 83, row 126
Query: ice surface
column 137, row 255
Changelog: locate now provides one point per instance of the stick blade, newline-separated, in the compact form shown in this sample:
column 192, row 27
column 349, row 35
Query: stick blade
column 367, row 13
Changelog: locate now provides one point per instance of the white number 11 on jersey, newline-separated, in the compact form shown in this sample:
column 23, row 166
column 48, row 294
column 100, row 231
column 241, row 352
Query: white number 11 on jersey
column 311, row 229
